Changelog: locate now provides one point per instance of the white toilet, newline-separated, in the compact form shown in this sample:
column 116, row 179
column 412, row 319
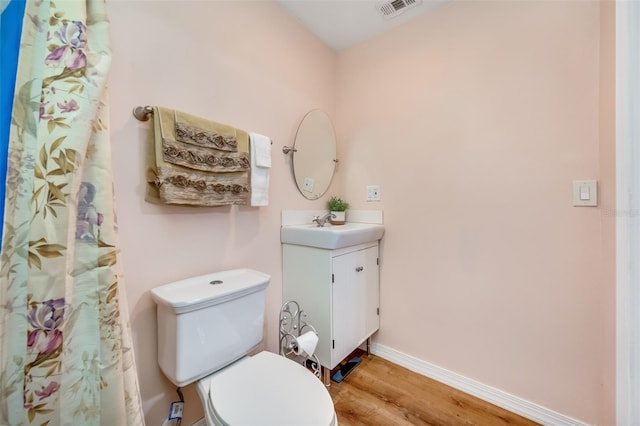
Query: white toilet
column 207, row 326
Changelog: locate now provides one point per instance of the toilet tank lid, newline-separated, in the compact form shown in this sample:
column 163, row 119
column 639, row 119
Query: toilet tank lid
column 209, row 289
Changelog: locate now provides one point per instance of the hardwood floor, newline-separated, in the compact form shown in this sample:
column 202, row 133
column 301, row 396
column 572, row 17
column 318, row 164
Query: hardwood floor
column 378, row 392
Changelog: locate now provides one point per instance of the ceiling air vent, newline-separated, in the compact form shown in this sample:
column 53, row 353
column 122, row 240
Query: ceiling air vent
column 393, row 8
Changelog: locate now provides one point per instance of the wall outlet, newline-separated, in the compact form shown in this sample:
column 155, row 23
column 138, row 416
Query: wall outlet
column 308, row 184
column 373, row 193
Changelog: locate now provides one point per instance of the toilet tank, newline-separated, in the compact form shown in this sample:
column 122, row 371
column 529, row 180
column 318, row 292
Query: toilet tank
column 209, row 321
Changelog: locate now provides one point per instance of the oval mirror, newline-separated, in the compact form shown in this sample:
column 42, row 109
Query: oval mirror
column 314, row 154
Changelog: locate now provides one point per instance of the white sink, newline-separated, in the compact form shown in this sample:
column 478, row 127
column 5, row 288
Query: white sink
column 331, row 236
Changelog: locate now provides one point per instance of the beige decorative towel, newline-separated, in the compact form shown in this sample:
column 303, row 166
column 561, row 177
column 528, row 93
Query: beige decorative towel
column 193, row 161
column 198, row 131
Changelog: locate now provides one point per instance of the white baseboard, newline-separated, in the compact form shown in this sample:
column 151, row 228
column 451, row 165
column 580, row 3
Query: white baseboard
column 487, row 393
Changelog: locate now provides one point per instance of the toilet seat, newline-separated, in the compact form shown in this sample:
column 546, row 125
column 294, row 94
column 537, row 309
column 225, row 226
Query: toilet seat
column 267, row 389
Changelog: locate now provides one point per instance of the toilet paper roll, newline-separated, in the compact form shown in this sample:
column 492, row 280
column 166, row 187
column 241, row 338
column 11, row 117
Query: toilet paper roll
column 307, row 343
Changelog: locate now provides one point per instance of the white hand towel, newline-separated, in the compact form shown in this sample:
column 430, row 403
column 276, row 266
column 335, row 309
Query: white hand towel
column 260, row 164
column 261, row 148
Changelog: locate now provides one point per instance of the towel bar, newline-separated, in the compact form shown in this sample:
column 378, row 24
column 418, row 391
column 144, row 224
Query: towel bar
column 144, row 113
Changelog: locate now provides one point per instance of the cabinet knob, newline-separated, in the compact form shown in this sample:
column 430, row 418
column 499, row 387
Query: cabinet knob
column 359, row 268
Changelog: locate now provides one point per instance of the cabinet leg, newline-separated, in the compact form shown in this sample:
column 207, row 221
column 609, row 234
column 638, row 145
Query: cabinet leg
column 368, row 346
column 326, row 376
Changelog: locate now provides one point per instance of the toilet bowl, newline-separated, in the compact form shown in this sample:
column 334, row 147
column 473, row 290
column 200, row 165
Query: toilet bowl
column 207, row 326
column 266, row 389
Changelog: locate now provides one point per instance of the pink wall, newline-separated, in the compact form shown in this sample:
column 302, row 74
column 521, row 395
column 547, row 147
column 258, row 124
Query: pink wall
column 248, row 64
column 475, row 119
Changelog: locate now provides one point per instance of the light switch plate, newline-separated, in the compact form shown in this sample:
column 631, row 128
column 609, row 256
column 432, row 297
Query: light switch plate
column 585, row 193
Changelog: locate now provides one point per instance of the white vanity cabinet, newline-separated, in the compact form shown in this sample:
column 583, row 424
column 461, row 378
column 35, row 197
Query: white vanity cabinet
column 339, row 291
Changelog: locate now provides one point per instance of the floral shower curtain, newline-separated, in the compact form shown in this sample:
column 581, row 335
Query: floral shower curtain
column 66, row 353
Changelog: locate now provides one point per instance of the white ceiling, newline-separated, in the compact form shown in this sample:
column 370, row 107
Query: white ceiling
column 343, row 23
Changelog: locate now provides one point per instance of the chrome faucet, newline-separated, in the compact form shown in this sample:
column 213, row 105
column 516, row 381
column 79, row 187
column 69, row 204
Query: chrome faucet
column 322, row 220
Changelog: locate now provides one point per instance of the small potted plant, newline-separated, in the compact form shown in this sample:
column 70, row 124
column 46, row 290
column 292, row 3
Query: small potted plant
column 337, row 206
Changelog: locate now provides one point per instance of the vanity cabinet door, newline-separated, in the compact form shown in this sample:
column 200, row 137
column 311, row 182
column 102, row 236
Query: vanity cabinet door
column 371, row 274
column 355, row 297
column 339, row 292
